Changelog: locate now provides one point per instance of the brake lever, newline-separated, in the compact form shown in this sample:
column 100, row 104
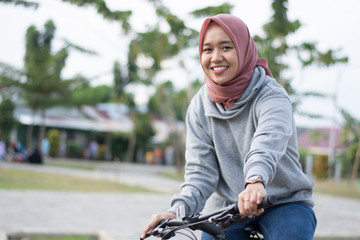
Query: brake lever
column 220, row 218
column 157, row 231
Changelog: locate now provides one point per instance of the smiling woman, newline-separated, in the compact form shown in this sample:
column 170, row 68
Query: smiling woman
column 241, row 141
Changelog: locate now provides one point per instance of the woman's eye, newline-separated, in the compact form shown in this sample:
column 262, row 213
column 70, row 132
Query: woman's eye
column 207, row 50
column 227, row 47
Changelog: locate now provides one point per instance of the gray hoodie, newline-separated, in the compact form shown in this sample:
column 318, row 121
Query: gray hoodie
column 224, row 147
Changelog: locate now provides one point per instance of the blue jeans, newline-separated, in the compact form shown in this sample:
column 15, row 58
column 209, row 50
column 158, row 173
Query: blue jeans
column 294, row 221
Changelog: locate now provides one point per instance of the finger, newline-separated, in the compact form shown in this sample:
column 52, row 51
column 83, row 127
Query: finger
column 148, row 228
column 145, row 231
column 247, row 207
column 258, row 212
column 259, row 197
column 241, row 204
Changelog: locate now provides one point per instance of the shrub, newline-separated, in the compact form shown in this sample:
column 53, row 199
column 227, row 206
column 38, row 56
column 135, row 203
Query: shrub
column 102, row 152
column 74, row 149
column 321, row 167
column 53, row 136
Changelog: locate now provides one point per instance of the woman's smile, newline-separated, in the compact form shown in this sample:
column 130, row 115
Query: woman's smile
column 219, row 70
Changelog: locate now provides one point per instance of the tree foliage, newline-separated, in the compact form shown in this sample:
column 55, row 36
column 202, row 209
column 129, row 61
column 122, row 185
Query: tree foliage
column 351, row 139
column 26, row 4
column 143, row 129
column 275, row 47
column 213, row 10
column 105, row 12
column 91, row 95
column 43, row 69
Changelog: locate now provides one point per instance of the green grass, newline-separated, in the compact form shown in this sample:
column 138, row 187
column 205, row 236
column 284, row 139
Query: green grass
column 64, row 237
column 175, row 175
column 85, row 165
column 342, row 189
column 74, row 237
column 327, row 238
column 32, row 180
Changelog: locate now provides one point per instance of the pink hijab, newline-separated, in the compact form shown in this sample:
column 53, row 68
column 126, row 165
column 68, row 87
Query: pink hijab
column 232, row 90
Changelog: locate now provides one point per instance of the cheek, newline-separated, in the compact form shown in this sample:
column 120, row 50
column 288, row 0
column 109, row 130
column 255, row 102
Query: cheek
column 204, row 61
column 235, row 62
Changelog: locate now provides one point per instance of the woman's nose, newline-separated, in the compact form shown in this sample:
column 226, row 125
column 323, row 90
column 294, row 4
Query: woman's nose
column 217, row 56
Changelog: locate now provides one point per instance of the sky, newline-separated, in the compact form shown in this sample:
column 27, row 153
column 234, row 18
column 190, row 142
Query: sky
column 332, row 24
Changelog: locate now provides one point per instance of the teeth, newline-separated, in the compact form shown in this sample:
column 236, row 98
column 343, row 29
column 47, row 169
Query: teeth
column 219, row 68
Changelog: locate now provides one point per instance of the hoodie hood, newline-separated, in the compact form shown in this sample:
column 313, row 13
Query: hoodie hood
column 217, row 110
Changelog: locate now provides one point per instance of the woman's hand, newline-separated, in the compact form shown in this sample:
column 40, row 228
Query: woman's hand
column 250, row 198
column 155, row 220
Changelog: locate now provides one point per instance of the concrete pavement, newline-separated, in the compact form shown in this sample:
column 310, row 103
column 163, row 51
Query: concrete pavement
column 123, row 216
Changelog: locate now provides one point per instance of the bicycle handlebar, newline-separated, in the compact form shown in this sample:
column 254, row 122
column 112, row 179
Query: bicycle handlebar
column 213, row 223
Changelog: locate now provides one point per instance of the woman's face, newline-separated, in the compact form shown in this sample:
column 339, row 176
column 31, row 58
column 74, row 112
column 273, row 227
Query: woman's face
column 219, row 57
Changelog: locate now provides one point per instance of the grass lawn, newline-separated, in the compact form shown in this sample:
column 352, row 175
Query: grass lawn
column 31, row 180
column 64, row 238
column 85, row 165
column 44, row 237
column 342, row 189
column 356, row 238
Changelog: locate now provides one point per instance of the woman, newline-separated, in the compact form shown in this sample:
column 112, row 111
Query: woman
column 241, row 140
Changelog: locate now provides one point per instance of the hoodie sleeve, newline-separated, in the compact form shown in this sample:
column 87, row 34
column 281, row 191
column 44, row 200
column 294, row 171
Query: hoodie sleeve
column 201, row 169
column 274, row 128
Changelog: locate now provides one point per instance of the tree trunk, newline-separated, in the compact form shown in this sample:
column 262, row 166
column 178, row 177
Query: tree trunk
column 29, row 135
column 177, row 143
column 356, row 165
column 42, row 131
column 131, row 148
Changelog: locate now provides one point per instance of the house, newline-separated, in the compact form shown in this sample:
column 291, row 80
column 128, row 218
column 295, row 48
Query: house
column 321, row 146
column 78, row 126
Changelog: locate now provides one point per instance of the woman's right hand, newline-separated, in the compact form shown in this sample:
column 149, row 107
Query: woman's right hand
column 155, row 220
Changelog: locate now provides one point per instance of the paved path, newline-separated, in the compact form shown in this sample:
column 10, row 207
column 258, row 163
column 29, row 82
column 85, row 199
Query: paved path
column 123, row 216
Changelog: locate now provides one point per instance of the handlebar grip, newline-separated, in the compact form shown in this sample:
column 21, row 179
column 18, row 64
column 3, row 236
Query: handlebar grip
column 267, row 201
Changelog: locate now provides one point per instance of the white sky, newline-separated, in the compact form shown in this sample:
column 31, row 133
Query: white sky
column 332, row 24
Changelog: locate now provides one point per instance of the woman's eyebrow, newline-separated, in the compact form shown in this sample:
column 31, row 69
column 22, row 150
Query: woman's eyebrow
column 221, row 42
column 226, row 42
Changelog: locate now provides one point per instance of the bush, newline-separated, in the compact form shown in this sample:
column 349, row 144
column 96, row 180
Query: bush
column 54, row 138
column 74, row 149
column 119, row 145
column 102, row 152
column 321, row 167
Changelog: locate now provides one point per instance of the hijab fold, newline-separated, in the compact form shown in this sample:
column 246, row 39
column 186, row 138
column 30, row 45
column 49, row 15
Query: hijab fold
column 232, row 90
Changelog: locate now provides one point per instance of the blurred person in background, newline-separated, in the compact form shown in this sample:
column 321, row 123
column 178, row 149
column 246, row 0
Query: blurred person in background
column 2, row 151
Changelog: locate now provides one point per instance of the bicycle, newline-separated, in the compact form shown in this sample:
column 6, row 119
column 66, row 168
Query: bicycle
column 214, row 223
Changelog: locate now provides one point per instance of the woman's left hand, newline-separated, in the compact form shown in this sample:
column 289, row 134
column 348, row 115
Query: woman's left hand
column 250, row 198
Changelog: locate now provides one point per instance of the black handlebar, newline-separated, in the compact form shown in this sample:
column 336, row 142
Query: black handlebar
column 213, row 223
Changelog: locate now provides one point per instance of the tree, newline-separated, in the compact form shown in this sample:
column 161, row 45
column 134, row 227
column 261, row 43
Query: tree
column 91, row 95
column 100, row 5
column 44, row 86
column 7, row 120
column 351, row 138
column 40, row 83
column 119, row 90
column 141, row 135
column 274, row 46
column 26, row 4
